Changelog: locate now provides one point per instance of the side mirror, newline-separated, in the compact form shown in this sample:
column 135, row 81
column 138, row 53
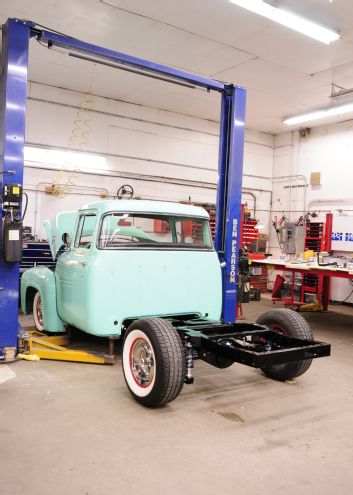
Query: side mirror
column 66, row 240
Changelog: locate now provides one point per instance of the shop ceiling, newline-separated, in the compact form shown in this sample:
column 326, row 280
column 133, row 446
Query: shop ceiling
column 284, row 72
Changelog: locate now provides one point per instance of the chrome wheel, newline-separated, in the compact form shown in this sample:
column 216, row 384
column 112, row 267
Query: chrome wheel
column 38, row 314
column 39, row 311
column 153, row 361
column 142, row 363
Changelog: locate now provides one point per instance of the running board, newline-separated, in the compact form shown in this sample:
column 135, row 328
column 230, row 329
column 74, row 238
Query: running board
column 250, row 344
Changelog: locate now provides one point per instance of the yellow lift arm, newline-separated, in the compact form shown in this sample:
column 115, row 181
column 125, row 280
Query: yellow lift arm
column 53, row 347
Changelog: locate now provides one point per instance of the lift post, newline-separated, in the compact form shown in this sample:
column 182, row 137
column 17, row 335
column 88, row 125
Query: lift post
column 13, row 88
column 229, row 192
column 16, row 35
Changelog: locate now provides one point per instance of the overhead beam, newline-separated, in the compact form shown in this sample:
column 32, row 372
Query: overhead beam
column 74, row 45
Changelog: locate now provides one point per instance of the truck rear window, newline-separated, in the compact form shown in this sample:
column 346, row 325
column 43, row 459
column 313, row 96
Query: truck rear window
column 150, row 230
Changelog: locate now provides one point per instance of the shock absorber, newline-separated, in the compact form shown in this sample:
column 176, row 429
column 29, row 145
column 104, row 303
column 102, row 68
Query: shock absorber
column 189, row 363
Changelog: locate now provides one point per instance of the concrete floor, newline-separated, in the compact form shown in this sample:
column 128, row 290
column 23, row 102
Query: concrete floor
column 73, row 429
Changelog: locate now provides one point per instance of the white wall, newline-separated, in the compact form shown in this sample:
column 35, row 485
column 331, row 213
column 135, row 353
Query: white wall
column 328, row 150
column 168, row 156
column 163, row 155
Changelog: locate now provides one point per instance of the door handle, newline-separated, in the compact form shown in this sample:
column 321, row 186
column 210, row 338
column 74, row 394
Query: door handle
column 83, row 263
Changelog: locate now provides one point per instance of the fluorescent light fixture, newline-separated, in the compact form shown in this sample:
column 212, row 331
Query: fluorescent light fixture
column 63, row 158
column 320, row 114
column 290, row 20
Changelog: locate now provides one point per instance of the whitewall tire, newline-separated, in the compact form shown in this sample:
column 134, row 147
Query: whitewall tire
column 38, row 312
column 139, row 363
column 153, row 361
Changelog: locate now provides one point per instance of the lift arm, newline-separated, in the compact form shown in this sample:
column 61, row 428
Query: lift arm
column 16, row 35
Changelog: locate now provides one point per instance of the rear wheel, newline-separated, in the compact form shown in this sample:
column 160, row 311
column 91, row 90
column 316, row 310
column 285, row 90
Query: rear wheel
column 294, row 325
column 38, row 312
column 153, row 361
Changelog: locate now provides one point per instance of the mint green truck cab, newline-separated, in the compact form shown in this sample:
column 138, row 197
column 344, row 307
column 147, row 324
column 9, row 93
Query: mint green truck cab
column 127, row 260
column 147, row 271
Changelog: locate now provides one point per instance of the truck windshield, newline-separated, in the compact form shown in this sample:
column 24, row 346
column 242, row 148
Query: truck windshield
column 152, row 230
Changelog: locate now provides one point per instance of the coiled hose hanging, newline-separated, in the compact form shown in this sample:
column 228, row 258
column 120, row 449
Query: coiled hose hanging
column 80, row 137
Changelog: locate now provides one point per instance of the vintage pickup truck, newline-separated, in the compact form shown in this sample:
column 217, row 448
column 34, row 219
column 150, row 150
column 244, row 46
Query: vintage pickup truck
column 148, row 271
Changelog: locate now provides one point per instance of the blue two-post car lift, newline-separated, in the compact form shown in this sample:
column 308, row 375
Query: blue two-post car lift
column 219, row 344
column 14, row 77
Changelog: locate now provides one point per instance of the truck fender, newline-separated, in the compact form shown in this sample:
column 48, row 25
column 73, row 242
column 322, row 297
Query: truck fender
column 41, row 279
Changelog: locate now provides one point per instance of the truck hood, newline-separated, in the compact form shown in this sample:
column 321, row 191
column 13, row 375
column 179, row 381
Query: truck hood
column 63, row 223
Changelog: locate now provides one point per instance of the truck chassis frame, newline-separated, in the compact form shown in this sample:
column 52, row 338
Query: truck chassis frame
column 250, row 344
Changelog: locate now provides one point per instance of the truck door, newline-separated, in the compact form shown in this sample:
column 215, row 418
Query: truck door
column 73, row 273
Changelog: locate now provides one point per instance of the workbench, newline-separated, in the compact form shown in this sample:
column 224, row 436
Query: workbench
column 324, row 273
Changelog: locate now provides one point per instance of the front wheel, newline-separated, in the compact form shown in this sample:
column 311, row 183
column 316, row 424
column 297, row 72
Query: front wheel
column 38, row 312
column 293, row 325
column 153, row 361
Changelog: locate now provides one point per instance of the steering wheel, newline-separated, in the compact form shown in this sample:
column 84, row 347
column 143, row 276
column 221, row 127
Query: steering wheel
column 126, row 191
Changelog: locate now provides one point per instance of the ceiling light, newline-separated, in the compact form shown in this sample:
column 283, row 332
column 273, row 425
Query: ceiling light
column 340, row 94
column 320, row 114
column 290, row 20
column 50, row 156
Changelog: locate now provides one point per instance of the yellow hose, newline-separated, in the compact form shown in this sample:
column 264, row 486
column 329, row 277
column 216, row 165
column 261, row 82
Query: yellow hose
column 81, row 131
column 80, row 136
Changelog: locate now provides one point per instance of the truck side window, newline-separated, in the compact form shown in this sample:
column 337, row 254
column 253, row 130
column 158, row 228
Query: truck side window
column 85, row 230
